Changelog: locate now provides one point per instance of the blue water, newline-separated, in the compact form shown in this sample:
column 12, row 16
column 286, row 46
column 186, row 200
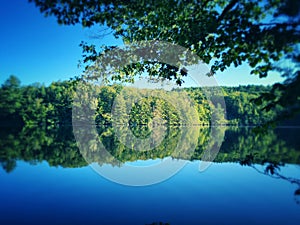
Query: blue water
column 226, row 193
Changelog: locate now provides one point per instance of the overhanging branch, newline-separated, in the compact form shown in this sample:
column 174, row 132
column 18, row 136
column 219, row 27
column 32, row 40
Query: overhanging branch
column 227, row 9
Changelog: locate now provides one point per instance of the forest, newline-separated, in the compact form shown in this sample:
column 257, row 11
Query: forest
column 51, row 105
column 42, row 125
column 223, row 33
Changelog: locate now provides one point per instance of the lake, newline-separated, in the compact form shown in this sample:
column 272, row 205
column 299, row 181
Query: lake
column 254, row 178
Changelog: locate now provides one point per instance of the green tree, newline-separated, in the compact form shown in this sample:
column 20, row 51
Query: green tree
column 11, row 83
column 10, row 101
column 228, row 32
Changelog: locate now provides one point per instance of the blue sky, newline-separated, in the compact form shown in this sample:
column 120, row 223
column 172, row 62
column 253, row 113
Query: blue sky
column 37, row 49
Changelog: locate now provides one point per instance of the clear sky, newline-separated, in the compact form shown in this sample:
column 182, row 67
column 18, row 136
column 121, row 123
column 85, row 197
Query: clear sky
column 37, row 49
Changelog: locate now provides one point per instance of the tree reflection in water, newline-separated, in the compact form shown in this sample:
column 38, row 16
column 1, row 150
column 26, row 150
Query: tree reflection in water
column 272, row 169
column 57, row 146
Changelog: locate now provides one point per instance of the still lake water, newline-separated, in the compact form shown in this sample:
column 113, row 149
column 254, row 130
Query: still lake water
column 255, row 179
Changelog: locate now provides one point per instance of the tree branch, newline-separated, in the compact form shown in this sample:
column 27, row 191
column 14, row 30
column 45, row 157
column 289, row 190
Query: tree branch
column 277, row 24
column 227, row 9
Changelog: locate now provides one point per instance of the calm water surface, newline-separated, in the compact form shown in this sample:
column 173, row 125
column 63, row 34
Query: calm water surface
column 254, row 180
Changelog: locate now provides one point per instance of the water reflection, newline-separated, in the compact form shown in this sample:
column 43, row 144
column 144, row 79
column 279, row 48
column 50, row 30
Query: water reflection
column 272, row 149
column 58, row 147
column 253, row 174
column 272, row 170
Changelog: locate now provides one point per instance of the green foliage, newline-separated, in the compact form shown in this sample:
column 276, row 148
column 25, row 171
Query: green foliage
column 52, row 106
column 230, row 30
column 36, row 104
column 10, row 100
column 45, row 116
column 225, row 32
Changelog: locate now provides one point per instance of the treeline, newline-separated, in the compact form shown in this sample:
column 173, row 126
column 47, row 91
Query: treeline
column 36, row 104
column 239, row 108
column 52, row 105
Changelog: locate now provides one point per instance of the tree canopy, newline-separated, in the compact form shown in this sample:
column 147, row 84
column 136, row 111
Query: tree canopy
column 51, row 105
column 263, row 34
